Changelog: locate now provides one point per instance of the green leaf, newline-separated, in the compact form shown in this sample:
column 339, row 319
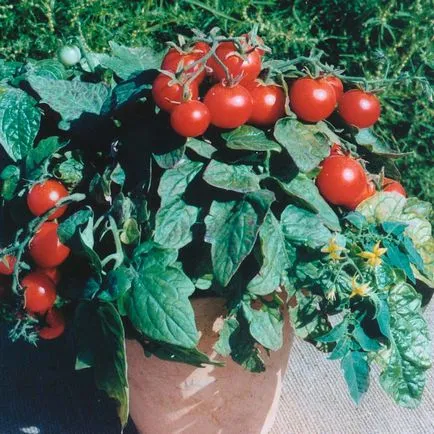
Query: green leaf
column 70, row 171
column 79, row 224
column 343, row 346
column 10, row 178
column 173, row 223
column 394, row 228
column 248, row 138
column 71, row 99
column 366, row 342
column 382, row 206
column 306, row 144
column 302, row 227
column 126, row 62
column 158, row 304
column 356, row 373
column 398, row 259
column 413, row 254
column 232, row 228
column 175, row 181
column 101, row 345
column 238, row 178
column 200, row 147
column 130, row 231
column 19, row 122
column 223, row 345
column 36, row 157
column 276, row 260
column 305, row 190
column 9, row 69
column 382, row 315
column 116, row 283
column 336, row 333
column 266, row 326
column 170, row 159
column 405, row 375
column 48, row 68
column 356, row 219
column 366, row 138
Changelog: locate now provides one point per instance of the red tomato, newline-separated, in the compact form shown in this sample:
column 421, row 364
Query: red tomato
column 7, row 265
column 259, row 41
column 336, row 84
column 311, row 99
column 55, row 324
column 268, row 104
column 230, row 107
column 53, row 273
column 44, row 196
column 368, row 191
column 39, row 292
column 201, row 48
column 392, row 185
column 190, row 119
column 360, row 109
column 45, row 247
column 173, row 58
column 341, row 180
column 168, row 95
column 250, row 66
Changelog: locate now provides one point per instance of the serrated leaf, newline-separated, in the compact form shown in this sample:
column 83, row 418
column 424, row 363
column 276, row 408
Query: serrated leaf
column 36, row 156
column 266, row 326
column 71, row 99
column 10, row 177
column 356, row 373
column 304, row 189
column 248, row 138
column 302, row 227
column 116, row 283
column 126, row 62
column 276, row 260
column 48, row 68
column 174, row 181
column 232, row 228
column 202, row 148
column 158, row 304
column 366, row 138
column 19, row 122
column 405, row 375
column 382, row 206
column 173, row 223
column 170, row 159
column 223, row 346
column 101, row 345
column 238, row 178
column 336, row 333
column 306, row 144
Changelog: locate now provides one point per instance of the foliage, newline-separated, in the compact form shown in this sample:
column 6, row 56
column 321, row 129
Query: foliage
column 370, row 38
column 154, row 218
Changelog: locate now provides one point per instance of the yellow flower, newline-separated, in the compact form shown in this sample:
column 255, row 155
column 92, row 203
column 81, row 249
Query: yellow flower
column 374, row 258
column 361, row 289
column 333, row 249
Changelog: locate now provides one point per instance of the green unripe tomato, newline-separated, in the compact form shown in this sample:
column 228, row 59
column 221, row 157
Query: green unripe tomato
column 69, row 55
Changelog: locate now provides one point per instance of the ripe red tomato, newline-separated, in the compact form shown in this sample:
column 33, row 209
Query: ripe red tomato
column 39, row 292
column 336, row 84
column 368, row 191
column 392, row 185
column 45, row 195
column 7, row 265
column 250, row 66
column 268, row 104
column 173, row 58
column 53, row 273
column 360, row 109
column 190, row 119
column 341, row 180
column 230, row 107
column 311, row 99
column 45, row 247
column 55, row 324
column 168, row 95
column 259, row 41
column 201, row 48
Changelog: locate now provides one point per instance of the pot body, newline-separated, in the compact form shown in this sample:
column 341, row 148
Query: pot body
column 174, row 398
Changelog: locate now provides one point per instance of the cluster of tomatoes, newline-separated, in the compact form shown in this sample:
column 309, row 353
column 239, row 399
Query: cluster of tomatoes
column 239, row 96
column 343, row 181
column 47, row 253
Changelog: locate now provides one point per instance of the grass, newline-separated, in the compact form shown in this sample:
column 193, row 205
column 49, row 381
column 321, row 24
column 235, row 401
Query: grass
column 372, row 38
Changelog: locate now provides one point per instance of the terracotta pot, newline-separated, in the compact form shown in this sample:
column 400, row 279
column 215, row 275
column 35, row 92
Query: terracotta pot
column 168, row 397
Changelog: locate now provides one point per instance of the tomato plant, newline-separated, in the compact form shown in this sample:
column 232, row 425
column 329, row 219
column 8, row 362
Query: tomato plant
column 69, row 55
column 392, row 185
column 44, row 196
column 53, row 273
column 311, row 99
column 7, row 265
column 360, row 109
column 176, row 61
column 229, row 106
column 336, row 84
column 55, row 325
column 45, row 247
column 39, row 292
column 268, row 104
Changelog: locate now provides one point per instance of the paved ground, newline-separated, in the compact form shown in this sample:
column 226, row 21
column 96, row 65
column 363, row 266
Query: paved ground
column 41, row 394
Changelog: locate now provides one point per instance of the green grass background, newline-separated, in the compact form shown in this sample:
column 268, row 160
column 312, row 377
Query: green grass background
column 373, row 38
